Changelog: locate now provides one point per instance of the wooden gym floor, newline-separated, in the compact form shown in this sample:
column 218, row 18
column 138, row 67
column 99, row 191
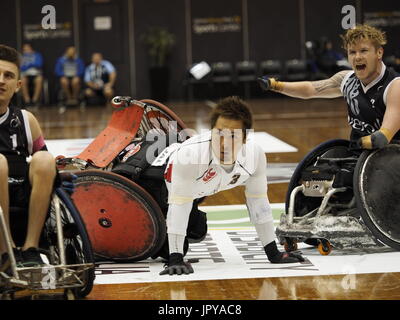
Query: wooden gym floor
column 300, row 123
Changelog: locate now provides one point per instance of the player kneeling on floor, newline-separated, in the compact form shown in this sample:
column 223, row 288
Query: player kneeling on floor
column 214, row 161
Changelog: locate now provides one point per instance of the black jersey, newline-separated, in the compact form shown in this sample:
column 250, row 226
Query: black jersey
column 15, row 134
column 367, row 104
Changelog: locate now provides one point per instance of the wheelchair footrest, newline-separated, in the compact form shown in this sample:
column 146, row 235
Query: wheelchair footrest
column 47, row 277
column 341, row 231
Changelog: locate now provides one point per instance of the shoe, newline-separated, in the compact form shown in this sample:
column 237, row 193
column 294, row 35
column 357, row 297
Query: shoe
column 6, row 263
column 31, row 258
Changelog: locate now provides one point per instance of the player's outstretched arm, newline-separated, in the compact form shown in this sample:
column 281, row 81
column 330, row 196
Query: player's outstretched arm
column 328, row 88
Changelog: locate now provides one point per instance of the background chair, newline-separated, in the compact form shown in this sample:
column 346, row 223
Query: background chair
column 246, row 76
column 222, row 79
column 296, row 70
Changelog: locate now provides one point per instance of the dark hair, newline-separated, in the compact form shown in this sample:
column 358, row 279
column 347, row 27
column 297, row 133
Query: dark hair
column 233, row 108
column 10, row 54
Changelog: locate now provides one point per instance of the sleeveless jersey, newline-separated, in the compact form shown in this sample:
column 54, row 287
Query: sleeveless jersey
column 367, row 104
column 15, row 134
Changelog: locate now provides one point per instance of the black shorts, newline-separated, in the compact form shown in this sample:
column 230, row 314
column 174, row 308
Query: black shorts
column 19, row 194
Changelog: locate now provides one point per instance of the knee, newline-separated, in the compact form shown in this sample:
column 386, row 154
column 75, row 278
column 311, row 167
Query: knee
column 43, row 164
column 38, row 80
column 76, row 81
column 108, row 92
column 64, row 81
column 3, row 166
column 89, row 92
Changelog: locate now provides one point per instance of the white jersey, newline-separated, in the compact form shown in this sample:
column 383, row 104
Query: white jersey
column 194, row 172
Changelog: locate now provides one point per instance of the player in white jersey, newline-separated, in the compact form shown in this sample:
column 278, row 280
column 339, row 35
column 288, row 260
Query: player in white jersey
column 218, row 160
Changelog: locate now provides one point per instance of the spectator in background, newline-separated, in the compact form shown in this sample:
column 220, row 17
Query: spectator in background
column 100, row 78
column 70, row 69
column 329, row 61
column 31, row 75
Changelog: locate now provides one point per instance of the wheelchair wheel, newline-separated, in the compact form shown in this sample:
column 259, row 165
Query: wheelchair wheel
column 123, row 221
column 377, row 192
column 329, row 149
column 163, row 120
column 78, row 249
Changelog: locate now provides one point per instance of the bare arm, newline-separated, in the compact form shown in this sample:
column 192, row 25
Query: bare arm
column 328, row 88
column 113, row 77
column 35, row 127
column 391, row 119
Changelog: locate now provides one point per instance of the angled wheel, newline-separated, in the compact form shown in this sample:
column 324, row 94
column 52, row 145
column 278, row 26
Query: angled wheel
column 123, row 221
column 77, row 246
column 377, row 192
column 162, row 120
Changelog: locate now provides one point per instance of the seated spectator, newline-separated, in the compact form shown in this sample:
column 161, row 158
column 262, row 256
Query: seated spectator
column 31, row 75
column 330, row 61
column 69, row 68
column 100, row 78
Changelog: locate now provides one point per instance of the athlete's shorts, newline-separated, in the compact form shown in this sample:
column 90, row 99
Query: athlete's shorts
column 19, row 193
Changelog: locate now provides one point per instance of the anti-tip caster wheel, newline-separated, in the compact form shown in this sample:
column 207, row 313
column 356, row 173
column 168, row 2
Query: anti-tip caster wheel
column 290, row 245
column 69, row 295
column 324, row 247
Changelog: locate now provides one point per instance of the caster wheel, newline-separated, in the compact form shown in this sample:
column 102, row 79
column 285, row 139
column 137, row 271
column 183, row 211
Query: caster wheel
column 324, row 248
column 290, row 245
column 69, row 295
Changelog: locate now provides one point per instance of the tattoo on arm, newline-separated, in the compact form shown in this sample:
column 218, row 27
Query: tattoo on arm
column 331, row 83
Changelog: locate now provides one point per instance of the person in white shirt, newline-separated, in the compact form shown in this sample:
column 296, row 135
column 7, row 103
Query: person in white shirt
column 100, row 77
column 218, row 160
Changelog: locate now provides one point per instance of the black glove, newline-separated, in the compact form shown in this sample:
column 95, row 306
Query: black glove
column 66, row 180
column 270, row 84
column 265, row 83
column 176, row 265
column 287, row 257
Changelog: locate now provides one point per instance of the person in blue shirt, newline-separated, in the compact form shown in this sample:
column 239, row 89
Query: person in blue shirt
column 70, row 69
column 31, row 75
column 100, row 77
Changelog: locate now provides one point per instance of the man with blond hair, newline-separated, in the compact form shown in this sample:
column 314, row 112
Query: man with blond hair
column 371, row 90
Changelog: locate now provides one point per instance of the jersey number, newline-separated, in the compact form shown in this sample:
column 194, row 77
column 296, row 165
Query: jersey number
column 14, row 141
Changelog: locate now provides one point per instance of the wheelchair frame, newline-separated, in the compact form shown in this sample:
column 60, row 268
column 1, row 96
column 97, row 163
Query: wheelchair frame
column 329, row 224
column 61, row 275
column 102, row 155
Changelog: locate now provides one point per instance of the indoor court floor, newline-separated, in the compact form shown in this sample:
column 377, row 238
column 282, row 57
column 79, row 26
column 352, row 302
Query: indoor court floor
column 225, row 273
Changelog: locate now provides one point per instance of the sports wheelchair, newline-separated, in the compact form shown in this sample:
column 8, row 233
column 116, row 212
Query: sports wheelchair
column 65, row 244
column 125, row 210
column 343, row 198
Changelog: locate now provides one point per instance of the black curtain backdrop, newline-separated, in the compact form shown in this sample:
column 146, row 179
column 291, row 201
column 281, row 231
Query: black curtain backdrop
column 215, row 31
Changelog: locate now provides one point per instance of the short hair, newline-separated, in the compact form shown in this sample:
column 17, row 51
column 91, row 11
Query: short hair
column 10, row 54
column 364, row 32
column 233, row 108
